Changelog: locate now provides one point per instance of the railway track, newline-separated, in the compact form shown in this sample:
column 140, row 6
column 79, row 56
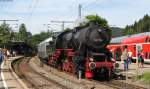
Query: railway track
column 32, row 78
column 113, row 84
column 117, row 84
column 38, row 80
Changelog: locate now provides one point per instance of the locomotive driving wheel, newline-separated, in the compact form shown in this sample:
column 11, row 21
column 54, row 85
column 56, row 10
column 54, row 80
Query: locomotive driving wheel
column 68, row 67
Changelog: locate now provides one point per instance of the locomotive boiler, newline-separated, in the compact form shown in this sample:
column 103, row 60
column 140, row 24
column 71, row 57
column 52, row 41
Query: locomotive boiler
column 84, row 50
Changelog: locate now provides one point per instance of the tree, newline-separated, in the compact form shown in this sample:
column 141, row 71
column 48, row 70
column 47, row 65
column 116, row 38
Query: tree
column 143, row 25
column 101, row 21
column 5, row 33
column 36, row 39
column 67, row 29
column 23, row 34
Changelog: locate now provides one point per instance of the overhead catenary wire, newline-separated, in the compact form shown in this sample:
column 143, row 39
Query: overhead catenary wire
column 62, row 22
column 9, row 17
column 85, row 5
column 71, row 9
column 30, row 5
column 32, row 11
column 82, row 6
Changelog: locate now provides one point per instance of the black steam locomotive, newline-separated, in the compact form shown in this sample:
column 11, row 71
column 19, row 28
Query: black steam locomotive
column 80, row 51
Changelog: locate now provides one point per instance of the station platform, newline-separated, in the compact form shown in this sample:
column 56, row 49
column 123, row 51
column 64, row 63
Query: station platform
column 132, row 72
column 133, row 69
column 7, row 77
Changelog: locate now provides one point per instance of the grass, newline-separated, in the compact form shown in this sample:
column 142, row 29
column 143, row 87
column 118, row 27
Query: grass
column 145, row 76
column 137, row 77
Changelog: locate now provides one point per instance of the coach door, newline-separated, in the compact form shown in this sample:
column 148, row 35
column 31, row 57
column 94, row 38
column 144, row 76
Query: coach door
column 146, row 50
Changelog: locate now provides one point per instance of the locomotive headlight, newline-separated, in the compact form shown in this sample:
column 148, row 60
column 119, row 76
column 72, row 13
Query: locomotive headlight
column 92, row 65
column 91, row 59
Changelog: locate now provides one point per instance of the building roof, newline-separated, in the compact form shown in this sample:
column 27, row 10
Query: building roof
column 46, row 40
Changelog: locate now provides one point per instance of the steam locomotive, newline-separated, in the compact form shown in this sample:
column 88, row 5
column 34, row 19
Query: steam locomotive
column 81, row 51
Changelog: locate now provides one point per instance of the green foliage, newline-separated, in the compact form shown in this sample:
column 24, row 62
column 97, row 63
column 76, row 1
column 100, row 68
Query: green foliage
column 101, row 21
column 36, row 39
column 116, row 31
column 67, row 29
column 146, row 77
column 5, row 33
column 23, row 34
column 94, row 18
column 143, row 25
column 137, row 77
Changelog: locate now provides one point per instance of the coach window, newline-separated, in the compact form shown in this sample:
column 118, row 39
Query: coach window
column 148, row 55
column 148, row 39
column 50, row 47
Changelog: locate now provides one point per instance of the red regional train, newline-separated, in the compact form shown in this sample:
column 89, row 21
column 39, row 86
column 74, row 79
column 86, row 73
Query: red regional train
column 134, row 43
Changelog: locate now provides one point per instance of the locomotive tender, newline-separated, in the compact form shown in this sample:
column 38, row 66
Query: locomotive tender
column 80, row 49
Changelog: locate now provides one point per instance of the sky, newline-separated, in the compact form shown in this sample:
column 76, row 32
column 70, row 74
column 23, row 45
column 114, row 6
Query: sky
column 37, row 14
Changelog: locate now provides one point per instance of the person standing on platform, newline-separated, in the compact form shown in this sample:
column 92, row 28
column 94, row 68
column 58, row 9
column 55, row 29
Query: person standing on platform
column 5, row 52
column 140, row 59
column 1, row 56
column 8, row 53
column 130, row 57
column 124, row 58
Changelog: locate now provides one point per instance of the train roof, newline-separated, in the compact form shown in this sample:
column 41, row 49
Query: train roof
column 46, row 41
column 120, row 39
